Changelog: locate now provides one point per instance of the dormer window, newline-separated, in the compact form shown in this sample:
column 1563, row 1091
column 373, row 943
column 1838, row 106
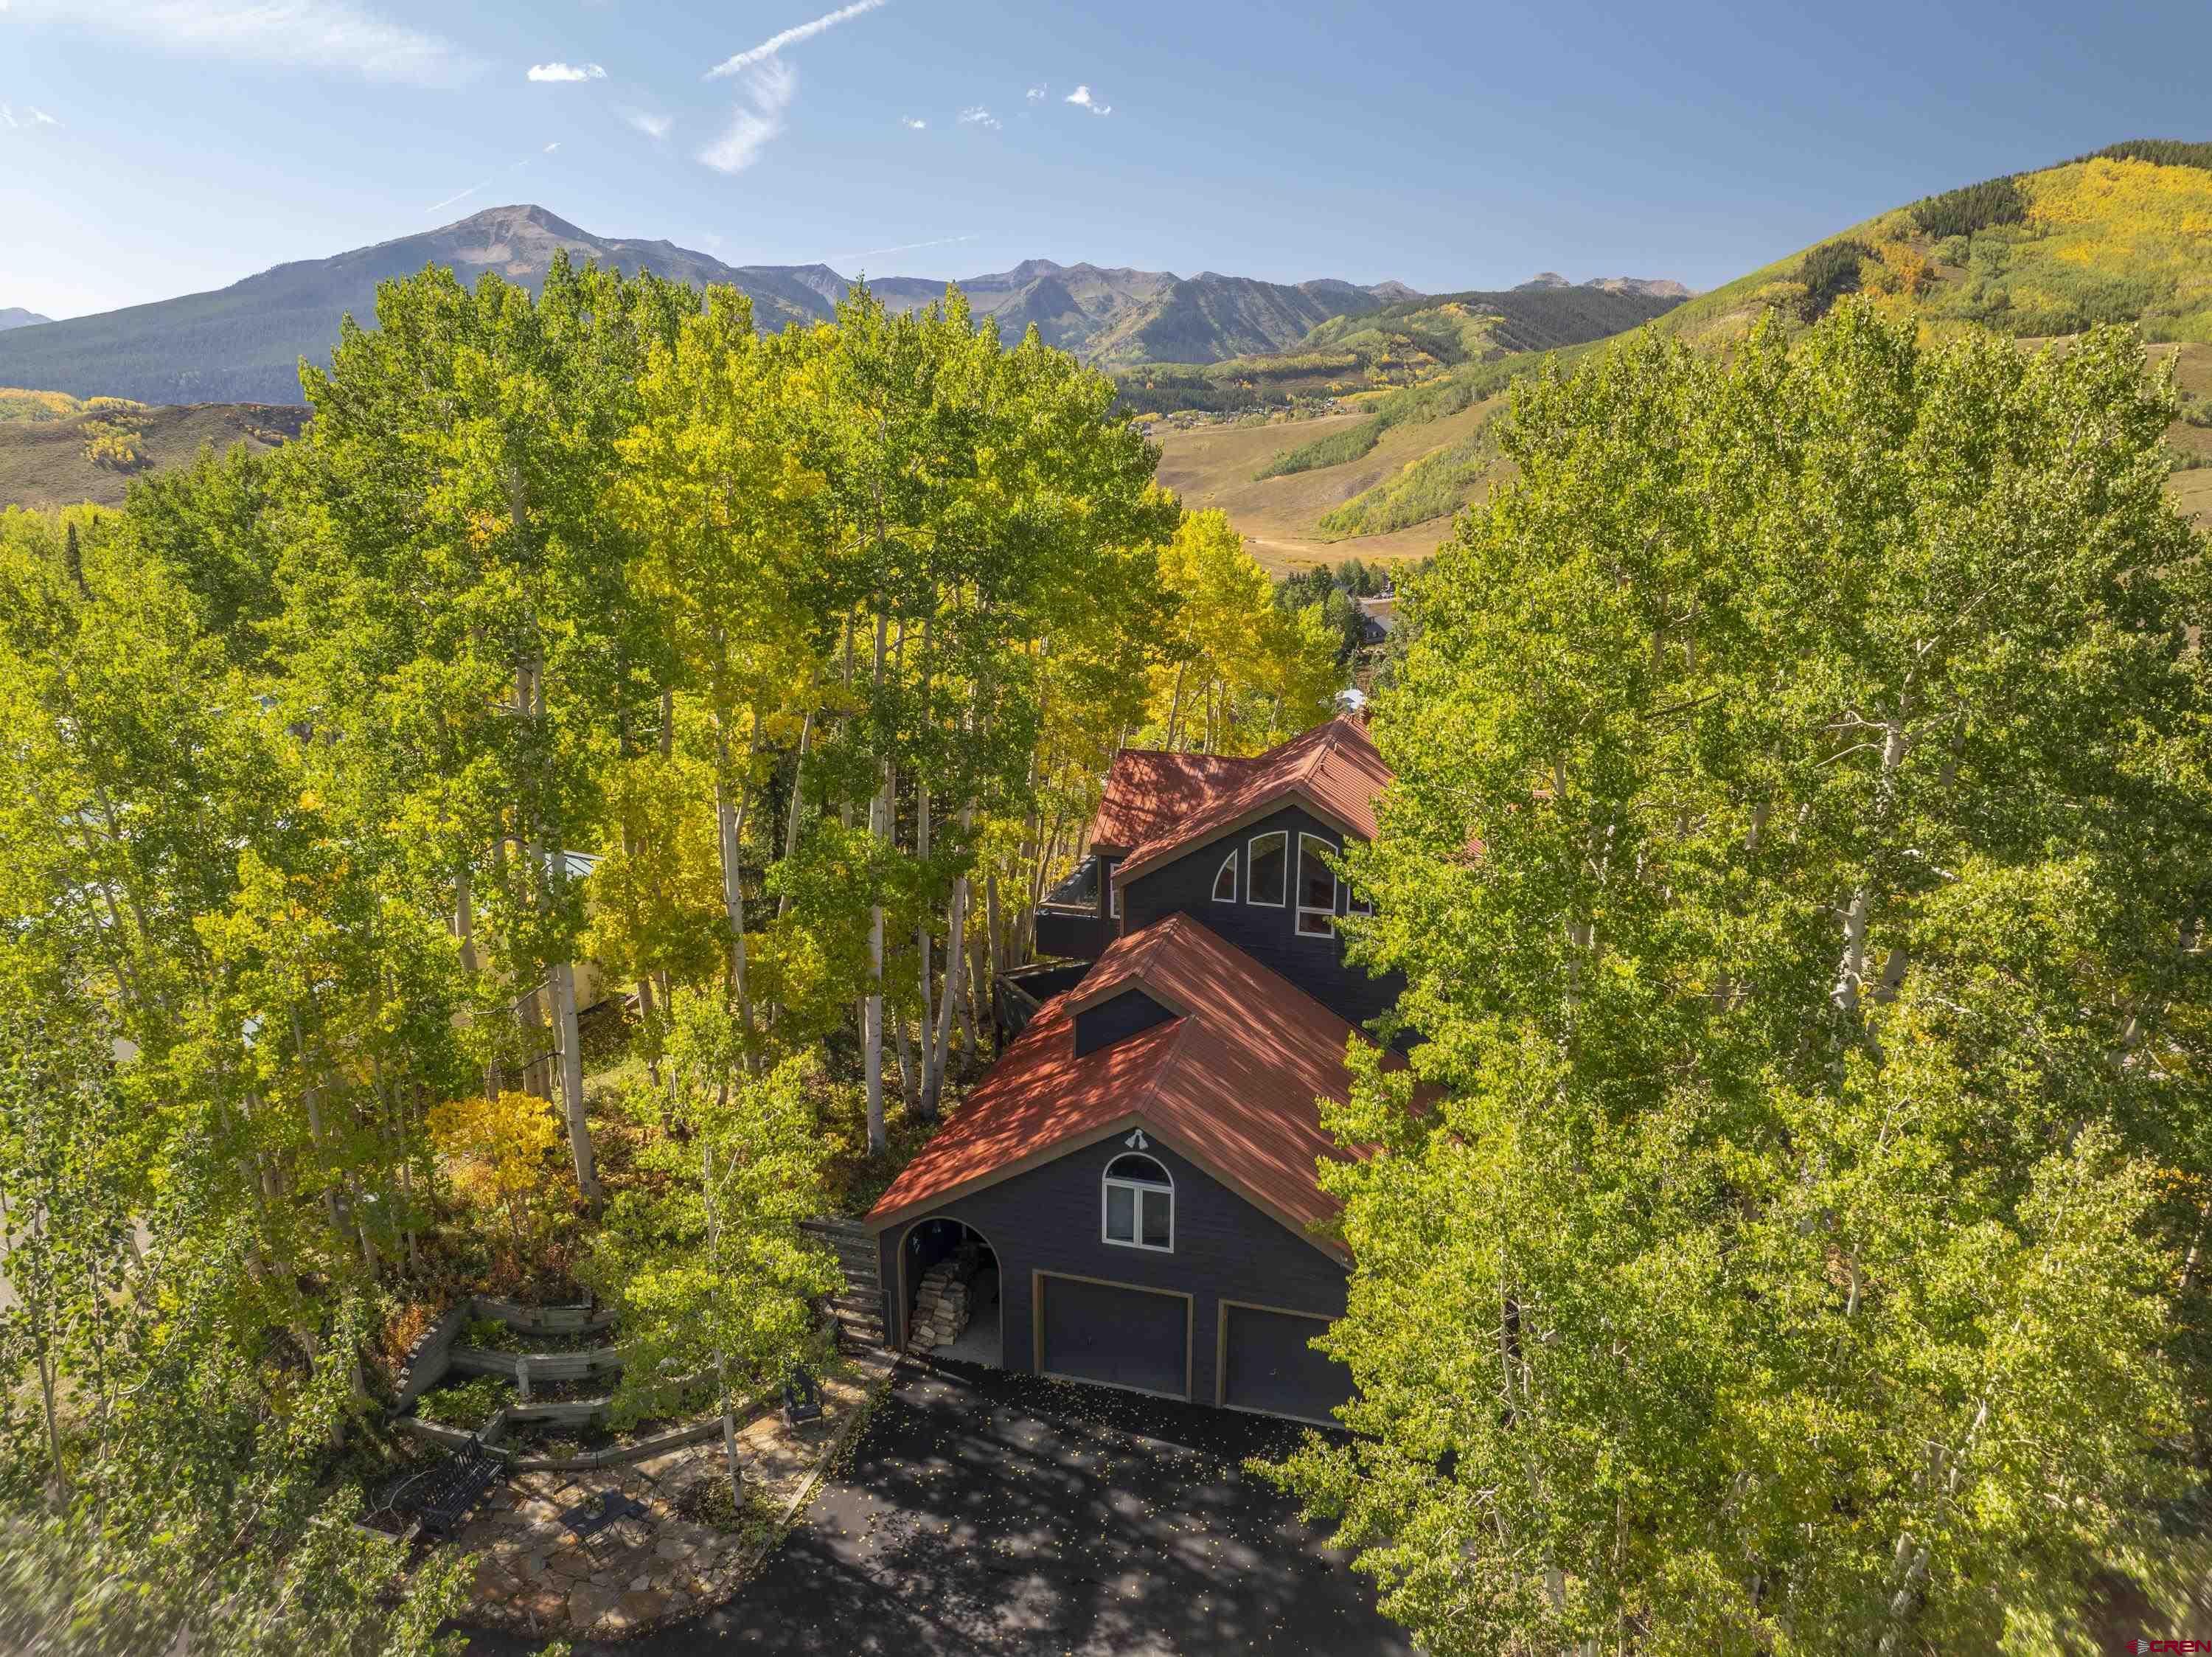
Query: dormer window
column 1316, row 887
column 1224, row 882
column 1267, row 869
column 1138, row 1204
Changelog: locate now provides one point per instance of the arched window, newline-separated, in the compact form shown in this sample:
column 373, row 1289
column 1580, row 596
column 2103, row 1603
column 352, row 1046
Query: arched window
column 1138, row 1204
column 1316, row 887
column 1224, row 883
column 1263, row 875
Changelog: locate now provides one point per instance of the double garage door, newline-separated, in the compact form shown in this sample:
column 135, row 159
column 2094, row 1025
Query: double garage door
column 1118, row 1336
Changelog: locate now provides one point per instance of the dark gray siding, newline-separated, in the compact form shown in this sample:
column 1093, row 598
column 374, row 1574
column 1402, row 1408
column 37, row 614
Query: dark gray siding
column 1115, row 1017
column 1047, row 1219
column 1269, row 935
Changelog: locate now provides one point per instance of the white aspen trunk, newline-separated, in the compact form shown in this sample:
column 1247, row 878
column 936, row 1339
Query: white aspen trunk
column 908, row 1082
column 464, row 921
column 798, row 795
column 571, row 1051
column 871, row 1015
column 932, row 1073
column 729, row 819
column 1851, row 971
column 921, row 937
column 1175, row 705
column 972, row 1016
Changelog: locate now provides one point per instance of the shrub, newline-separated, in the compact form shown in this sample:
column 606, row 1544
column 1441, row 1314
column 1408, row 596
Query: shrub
column 1954, row 250
column 467, row 1404
column 1976, row 207
column 711, row 1502
column 499, row 1153
column 114, row 446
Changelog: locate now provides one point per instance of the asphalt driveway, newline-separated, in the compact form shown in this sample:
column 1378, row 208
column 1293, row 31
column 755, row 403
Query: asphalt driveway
column 986, row 1513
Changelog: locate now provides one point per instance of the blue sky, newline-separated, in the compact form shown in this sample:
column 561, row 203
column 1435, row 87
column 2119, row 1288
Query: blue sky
column 154, row 146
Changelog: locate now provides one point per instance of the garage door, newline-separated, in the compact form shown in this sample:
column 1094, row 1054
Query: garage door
column 1113, row 1334
column 1268, row 1365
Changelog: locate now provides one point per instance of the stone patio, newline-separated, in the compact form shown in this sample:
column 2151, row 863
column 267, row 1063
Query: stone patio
column 532, row 1576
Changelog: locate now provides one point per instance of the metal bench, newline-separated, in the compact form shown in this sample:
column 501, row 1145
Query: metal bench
column 441, row 1498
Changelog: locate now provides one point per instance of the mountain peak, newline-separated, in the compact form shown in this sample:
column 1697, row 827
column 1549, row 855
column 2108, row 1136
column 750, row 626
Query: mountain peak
column 245, row 343
column 14, row 316
column 1543, row 279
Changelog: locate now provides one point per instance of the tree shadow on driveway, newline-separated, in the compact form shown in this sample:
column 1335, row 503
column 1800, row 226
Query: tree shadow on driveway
column 988, row 1513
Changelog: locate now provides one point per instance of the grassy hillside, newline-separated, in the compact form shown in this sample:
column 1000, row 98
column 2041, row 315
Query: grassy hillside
column 2115, row 237
column 2123, row 235
column 1434, row 347
column 93, row 453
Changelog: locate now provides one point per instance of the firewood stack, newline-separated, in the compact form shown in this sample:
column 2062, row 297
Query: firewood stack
column 942, row 1306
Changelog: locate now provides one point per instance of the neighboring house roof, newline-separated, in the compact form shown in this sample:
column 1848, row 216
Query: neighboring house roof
column 1382, row 610
column 1231, row 1082
column 1150, row 790
column 1334, row 769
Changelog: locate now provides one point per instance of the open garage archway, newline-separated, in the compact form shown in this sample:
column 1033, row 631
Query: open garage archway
column 952, row 1298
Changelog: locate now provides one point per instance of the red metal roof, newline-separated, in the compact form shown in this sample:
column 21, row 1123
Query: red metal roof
column 1232, row 1082
column 1334, row 769
column 1150, row 790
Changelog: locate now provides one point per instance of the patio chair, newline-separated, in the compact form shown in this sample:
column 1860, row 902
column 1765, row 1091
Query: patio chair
column 802, row 1398
column 590, row 1520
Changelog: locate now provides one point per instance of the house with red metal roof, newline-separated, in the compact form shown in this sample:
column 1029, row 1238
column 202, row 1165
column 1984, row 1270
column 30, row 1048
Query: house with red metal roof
column 1130, row 1195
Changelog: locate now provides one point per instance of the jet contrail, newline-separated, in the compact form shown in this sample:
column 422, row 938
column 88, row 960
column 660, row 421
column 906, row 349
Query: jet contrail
column 791, row 37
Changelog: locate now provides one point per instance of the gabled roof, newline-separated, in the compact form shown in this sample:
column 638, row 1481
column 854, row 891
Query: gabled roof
column 1334, row 769
column 1231, row 1082
column 1150, row 790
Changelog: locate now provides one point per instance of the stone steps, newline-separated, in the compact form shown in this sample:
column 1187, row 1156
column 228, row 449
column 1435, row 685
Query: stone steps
column 858, row 1308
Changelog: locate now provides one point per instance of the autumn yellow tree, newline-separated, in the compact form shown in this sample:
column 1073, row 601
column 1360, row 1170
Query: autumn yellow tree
column 498, row 1151
column 1239, row 673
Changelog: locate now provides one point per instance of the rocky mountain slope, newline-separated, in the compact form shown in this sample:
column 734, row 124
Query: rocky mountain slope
column 244, row 342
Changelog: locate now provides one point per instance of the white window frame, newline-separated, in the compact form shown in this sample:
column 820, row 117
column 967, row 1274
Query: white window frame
column 1138, row 1190
column 1114, row 895
column 1283, row 834
column 1229, row 867
column 1335, row 888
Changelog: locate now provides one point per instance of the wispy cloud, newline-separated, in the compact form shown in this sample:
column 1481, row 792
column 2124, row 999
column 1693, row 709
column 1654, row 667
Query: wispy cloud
column 565, row 72
column 791, row 37
column 1035, row 93
column 461, row 195
column 758, row 121
column 913, row 124
column 902, row 247
column 655, row 127
column 1081, row 99
column 979, row 116
column 315, row 34
column 31, row 116
column 550, row 148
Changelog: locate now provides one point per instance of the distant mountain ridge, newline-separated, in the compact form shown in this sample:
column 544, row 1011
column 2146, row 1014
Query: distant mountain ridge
column 1644, row 287
column 14, row 316
column 243, row 343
